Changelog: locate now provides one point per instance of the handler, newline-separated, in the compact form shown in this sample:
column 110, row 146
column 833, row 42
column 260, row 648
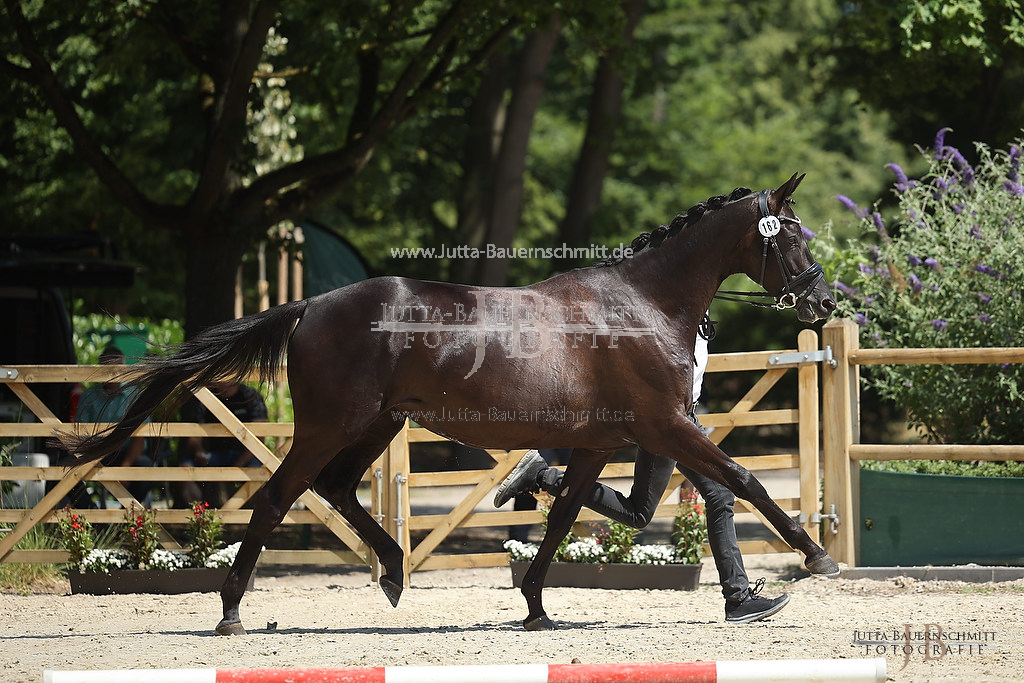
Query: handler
column 743, row 604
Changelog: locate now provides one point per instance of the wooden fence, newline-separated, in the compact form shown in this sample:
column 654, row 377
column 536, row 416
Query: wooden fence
column 391, row 484
column 841, row 425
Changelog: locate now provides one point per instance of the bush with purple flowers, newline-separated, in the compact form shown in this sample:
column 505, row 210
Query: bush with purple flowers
column 945, row 271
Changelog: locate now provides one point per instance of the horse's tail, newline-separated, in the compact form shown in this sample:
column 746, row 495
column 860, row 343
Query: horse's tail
column 224, row 353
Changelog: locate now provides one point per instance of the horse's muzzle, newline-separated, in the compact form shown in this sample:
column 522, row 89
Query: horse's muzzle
column 818, row 306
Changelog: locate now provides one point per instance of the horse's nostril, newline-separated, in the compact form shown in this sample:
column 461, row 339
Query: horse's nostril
column 829, row 304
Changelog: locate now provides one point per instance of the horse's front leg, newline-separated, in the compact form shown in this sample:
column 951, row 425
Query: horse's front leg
column 583, row 469
column 690, row 447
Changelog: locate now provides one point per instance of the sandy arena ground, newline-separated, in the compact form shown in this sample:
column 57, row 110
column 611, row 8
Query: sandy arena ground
column 474, row 616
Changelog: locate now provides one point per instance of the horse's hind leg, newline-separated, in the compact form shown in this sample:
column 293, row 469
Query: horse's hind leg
column 307, row 458
column 338, row 483
column 583, row 469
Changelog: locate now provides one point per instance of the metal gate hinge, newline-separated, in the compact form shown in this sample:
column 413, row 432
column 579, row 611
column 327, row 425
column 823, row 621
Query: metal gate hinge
column 378, row 476
column 801, row 357
column 819, row 517
column 400, row 481
column 8, row 373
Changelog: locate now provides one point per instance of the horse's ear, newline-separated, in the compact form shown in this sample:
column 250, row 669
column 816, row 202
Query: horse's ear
column 783, row 193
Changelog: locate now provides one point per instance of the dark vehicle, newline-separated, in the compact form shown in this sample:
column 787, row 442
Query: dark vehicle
column 37, row 325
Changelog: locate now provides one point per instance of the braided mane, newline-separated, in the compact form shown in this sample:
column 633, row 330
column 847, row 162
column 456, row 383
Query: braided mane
column 653, row 239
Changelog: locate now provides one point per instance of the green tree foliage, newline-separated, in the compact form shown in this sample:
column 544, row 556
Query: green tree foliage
column 945, row 271
column 935, row 63
column 186, row 174
column 716, row 97
column 151, row 106
column 728, row 96
column 731, row 97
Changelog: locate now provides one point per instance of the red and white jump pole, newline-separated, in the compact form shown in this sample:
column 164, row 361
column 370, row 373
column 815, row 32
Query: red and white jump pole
column 776, row 671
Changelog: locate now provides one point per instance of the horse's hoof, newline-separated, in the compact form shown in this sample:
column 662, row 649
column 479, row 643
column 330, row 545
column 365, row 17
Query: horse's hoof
column 541, row 623
column 230, row 628
column 391, row 589
column 822, row 566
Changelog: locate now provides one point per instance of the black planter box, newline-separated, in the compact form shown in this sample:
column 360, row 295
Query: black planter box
column 614, row 576
column 160, row 581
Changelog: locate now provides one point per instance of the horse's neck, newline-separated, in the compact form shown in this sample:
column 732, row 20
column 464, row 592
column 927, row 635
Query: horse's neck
column 685, row 271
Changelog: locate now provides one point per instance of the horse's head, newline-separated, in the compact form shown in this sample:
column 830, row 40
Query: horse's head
column 780, row 260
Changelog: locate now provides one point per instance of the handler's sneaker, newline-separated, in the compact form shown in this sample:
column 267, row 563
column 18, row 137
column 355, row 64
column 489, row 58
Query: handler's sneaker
column 522, row 479
column 753, row 607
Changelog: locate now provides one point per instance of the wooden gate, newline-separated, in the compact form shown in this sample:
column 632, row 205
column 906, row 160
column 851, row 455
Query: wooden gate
column 391, row 486
column 841, row 425
column 314, row 510
column 473, row 509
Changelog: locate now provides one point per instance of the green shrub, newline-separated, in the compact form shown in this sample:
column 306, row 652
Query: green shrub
column 93, row 332
column 204, row 532
column 617, row 539
column 944, row 271
column 689, row 528
column 954, row 467
column 31, row 577
column 6, row 449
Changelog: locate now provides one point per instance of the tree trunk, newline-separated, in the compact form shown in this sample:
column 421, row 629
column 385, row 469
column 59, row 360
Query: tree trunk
column 508, row 181
column 485, row 118
column 591, row 167
column 212, row 257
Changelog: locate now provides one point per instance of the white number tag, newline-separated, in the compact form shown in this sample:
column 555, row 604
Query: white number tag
column 769, row 226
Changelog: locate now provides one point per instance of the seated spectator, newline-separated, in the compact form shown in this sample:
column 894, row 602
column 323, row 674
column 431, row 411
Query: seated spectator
column 248, row 406
column 108, row 402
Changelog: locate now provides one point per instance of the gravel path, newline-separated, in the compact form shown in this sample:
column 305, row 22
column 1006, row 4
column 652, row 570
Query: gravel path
column 474, row 617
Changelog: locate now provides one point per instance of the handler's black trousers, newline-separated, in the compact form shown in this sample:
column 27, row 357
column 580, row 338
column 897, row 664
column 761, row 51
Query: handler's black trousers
column 652, row 473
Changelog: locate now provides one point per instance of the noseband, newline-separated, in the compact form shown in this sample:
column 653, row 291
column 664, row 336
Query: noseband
column 769, row 226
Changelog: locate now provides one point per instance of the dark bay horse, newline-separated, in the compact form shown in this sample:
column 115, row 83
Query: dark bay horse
column 595, row 359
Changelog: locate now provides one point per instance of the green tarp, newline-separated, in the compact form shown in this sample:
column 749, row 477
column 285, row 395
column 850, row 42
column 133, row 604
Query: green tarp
column 328, row 260
column 919, row 519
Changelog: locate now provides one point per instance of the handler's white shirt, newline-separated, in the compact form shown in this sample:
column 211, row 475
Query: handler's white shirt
column 700, row 357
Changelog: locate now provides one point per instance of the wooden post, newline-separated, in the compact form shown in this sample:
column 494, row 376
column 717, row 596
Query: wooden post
column 262, row 286
column 239, row 299
column 298, row 238
column 807, row 398
column 395, row 481
column 839, row 408
column 377, row 508
column 282, row 267
column 282, row 298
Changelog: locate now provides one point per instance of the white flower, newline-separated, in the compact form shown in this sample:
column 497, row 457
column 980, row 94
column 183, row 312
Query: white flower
column 104, row 561
column 168, row 560
column 519, row 551
column 585, row 550
column 652, row 554
column 589, row 550
column 223, row 557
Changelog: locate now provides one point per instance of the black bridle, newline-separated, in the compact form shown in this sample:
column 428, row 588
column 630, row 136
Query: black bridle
column 791, row 296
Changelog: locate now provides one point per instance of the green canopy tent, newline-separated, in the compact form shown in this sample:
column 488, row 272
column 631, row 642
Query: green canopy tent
column 329, row 261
